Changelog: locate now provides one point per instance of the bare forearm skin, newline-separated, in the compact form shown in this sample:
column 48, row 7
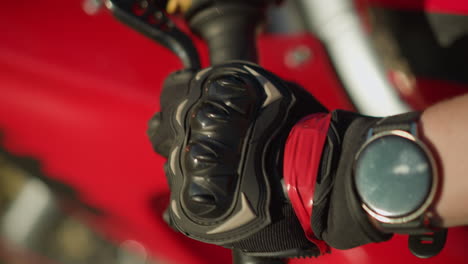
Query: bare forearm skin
column 444, row 126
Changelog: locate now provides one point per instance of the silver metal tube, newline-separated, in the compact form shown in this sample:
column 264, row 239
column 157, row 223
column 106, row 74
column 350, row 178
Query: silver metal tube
column 338, row 25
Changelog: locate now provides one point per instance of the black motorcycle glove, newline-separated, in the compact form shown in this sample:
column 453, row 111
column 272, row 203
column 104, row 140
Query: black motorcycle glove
column 223, row 130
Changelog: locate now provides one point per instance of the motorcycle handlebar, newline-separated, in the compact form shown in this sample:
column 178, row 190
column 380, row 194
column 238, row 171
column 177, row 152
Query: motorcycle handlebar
column 230, row 30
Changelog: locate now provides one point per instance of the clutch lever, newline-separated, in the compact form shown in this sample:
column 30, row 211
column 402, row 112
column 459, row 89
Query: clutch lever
column 149, row 17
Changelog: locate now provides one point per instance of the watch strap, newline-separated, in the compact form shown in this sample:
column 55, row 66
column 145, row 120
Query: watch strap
column 427, row 245
column 405, row 122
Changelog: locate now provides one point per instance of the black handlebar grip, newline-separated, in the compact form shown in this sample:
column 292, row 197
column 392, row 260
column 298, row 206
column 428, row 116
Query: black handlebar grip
column 229, row 30
column 240, row 258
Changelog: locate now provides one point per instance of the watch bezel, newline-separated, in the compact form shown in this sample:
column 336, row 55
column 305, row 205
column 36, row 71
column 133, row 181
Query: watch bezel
column 432, row 192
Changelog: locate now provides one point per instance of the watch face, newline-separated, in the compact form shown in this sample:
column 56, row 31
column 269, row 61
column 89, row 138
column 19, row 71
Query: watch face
column 393, row 175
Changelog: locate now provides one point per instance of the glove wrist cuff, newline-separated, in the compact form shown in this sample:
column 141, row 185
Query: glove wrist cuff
column 302, row 158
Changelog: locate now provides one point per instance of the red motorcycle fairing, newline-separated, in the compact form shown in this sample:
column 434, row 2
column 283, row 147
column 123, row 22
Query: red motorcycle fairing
column 76, row 92
column 436, row 6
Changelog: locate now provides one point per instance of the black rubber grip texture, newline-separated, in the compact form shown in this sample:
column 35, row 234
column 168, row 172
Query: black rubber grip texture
column 224, row 132
column 229, row 28
column 238, row 257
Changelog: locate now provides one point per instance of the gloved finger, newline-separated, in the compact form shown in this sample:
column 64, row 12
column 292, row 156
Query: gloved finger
column 174, row 91
column 160, row 135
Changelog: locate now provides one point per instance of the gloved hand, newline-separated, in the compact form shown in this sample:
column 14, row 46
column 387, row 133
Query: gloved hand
column 224, row 131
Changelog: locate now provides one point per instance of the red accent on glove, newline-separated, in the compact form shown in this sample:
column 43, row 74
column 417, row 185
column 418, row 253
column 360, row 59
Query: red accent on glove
column 302, row 157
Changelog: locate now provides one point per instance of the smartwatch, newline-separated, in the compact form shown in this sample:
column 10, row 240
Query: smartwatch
column 396, row 180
